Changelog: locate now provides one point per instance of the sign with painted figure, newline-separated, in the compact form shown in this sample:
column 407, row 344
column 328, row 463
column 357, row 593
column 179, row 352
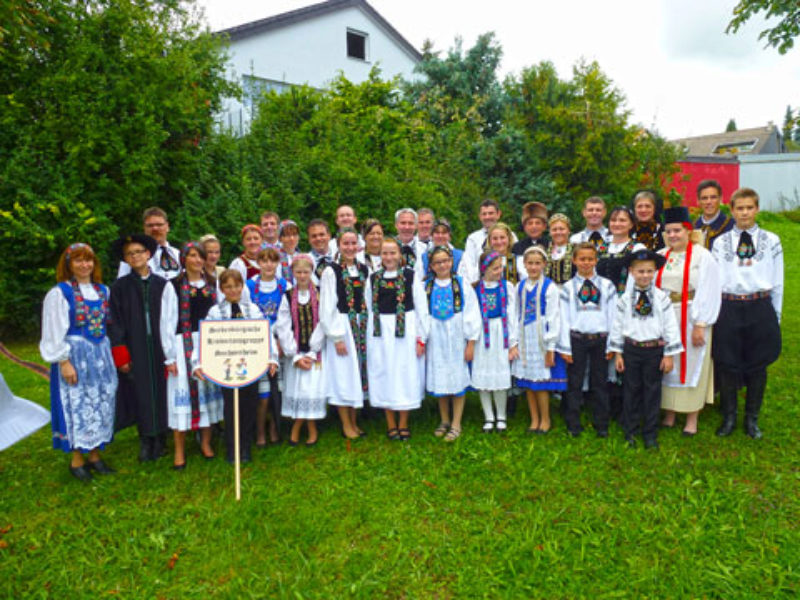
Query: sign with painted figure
column 234, row 353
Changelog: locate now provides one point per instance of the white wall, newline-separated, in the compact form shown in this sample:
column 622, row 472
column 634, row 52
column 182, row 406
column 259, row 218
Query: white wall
column 776, row 178
column 313, row 52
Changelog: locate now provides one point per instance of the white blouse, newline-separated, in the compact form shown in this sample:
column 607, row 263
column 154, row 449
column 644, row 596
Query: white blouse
column 285, row 333
column 55, row 322
column 660, row 324
column 470, row 310
column 704, row 281
column 420, row 302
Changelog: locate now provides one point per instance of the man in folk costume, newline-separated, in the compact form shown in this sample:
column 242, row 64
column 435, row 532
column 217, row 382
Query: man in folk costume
column 135, row 336
column 319, row 237
column 594, row 212
column 712, row 222
column 165, row 260
column 691, row 277
column 748, row 333
column 534, row 224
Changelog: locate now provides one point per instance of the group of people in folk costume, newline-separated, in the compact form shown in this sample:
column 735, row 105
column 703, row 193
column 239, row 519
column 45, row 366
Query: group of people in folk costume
column 366, row 321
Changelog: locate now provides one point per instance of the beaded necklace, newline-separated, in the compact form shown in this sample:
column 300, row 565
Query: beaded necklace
column 397, row 284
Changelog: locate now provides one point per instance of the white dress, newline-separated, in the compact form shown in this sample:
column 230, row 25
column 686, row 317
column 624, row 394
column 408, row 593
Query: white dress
column 393, row 369
column 447, row 373
column 540, row 335
column 304, row 391
column 491, row 369
column 343, row 385
column 179, row 404
column 704, row 283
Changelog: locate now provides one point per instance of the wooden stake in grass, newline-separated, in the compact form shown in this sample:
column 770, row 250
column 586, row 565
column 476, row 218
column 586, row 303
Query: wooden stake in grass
column 237, row 467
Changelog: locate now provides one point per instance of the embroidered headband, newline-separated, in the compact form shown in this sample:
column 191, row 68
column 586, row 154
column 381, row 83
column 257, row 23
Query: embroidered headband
column 284, row 224
column 251, row 227
column 72, row 247
column 535, row 248
column 191, row 246
column 488, row 260
column 560, row 217
column 303, row 257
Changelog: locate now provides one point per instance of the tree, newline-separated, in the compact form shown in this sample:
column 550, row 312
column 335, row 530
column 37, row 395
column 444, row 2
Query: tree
column 780, row 36
column 104, row 106
column 731, row 126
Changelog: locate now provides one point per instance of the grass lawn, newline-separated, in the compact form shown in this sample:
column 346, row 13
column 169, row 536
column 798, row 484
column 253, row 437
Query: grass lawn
column 513, row 516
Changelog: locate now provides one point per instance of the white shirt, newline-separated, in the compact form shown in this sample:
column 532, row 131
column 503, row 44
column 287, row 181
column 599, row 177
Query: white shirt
column 334, row 324
column 155, row 263
column 549, row 325
column 583, row 236
column 470, row 310
column 762, row 273
column 473, row 248
column 588, row 317
column 659, row 324
column 284, row 331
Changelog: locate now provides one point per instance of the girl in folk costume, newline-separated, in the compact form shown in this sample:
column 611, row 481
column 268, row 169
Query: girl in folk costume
column 560, row 267
column 247, row 262
column 192, row 403
column 648, row 231
column 396, row 333
column 538, row 369
column 301, row 337
column 454, row 325
column 213, row 250
column 289, row 236
column 343, row 315
column 497, row 346
column 500, row 240
column 83, row 379
column 691, row 276
column 266, row 291
column 372, row 231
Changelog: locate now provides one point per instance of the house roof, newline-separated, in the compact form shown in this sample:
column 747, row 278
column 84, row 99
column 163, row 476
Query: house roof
column 316, row 10
column 750, row 141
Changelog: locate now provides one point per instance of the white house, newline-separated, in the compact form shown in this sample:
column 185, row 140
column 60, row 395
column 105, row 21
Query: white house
column 312, row 45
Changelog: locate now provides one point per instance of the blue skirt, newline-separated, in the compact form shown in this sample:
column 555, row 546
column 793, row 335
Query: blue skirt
column 556, row 383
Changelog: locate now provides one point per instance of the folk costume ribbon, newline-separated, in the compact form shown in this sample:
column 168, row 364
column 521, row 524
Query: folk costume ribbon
column 166, row 262
column 502, row 293
column 684, row 301
column 589, row 292
column 745, row 250
column 186, row 293
column 357, row 315
column 643, row 306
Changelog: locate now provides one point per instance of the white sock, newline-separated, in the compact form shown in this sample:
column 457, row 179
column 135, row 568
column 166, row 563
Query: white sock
column 486, row 402
column 500, row 401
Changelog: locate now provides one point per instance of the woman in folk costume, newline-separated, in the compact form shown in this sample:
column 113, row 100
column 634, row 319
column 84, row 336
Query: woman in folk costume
column 192, row 403
column 343, row 314
column 691, row 276
column 560, row 267
column 648, row 230
column 247, row 262
column 397, row 331
column 539, row 370
column 83, row 379
column 454, row 325
column 501, row 239
column 301, row 337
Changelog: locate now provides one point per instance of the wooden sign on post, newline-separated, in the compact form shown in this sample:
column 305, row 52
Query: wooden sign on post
column 233, row 354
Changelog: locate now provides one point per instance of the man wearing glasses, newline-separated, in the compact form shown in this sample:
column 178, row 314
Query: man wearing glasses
column 165, row 261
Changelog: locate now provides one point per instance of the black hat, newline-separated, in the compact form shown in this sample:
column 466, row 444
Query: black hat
column 645, row 255
column 676, row 214
column 135, row 238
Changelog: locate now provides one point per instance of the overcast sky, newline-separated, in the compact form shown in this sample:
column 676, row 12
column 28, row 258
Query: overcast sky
column 679, row 71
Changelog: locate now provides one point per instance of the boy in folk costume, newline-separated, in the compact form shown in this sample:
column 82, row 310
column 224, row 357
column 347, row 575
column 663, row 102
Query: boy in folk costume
column 645, row 337
column 135, row 334
column 712, row 223
column 587, row 305
column 747, row 334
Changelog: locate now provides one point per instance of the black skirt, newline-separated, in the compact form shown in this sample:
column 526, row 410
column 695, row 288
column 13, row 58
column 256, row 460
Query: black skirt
column 747, row 336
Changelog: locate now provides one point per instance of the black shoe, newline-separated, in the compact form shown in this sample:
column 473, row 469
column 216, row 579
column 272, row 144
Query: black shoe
column 631, row 441
column 159, row 446
column 83, row 473
column 292, row 443
column 727, row 427
column 602, row 433
column 179, row 467
column 751, row 428
column 574, row 433
column 100, row 467
column 145, row 449
column 651, row 444
column 685, row 433
column 311, row 444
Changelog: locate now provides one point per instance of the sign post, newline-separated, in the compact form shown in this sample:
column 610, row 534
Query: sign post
column 233, row 354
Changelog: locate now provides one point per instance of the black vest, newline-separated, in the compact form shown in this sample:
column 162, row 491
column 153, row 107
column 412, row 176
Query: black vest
column 358, row 290
column 198, row 305
column 305, row 321
column 387, row 298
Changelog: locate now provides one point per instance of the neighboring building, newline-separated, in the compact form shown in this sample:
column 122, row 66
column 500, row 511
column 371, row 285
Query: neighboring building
column 311, row 46
column 758, row 140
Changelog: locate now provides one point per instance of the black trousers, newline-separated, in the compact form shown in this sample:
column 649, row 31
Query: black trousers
column 248, row 403
column 275, row 402
column 591, row 352
column 641, row 395
column 756, row 383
